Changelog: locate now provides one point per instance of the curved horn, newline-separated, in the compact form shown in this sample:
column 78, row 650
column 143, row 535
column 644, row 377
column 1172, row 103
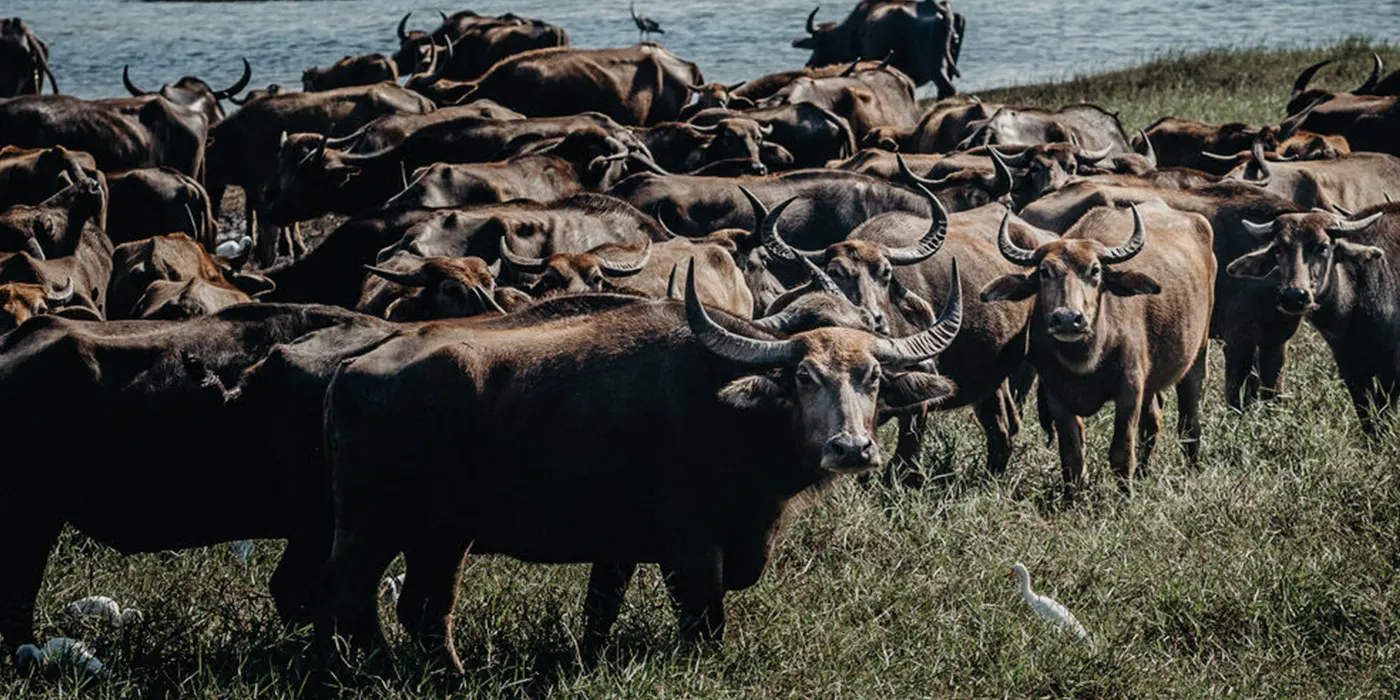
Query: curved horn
column 1127, row 251
column 35, row 250
column 914, row 349
column 612, row 269
column 851, row 69
column 443, row 15
column 1376, row 67
column 811, row 28
column 1221, row 157
column 671, row 291
column 1256, row 156
column 765, row 130
column 403, row 36
column 708, row 129
column 403, row 279
column 932, row 239
column 489, row 300
column 820, row 279
column 648, row 163
column 520, row 262
column 889, row 58
column 130, row 86
column 238, row 85
column 1290, row 126
column 1256, row 229
column 62, row 295
column 1344, row 226
column 1009, row 250
column 727, row 344
column 1151, row 154
column 760, row 210
column 1015, row 161
column 1004, row 182
column 1092, row 157
column 1306, row 77
column 768, row 233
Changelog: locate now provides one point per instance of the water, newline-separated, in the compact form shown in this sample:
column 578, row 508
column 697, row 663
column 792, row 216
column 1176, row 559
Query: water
column 1007, row 42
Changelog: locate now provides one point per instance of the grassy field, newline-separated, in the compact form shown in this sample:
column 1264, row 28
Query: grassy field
column 1270, row 570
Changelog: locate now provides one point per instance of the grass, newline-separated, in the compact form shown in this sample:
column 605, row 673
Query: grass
column 1269, row 570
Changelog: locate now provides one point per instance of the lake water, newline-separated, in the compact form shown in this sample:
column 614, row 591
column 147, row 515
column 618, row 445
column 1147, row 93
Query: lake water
column 1007, row 42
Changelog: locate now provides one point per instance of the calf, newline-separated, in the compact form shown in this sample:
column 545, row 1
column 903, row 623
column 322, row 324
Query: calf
column 1119, row 324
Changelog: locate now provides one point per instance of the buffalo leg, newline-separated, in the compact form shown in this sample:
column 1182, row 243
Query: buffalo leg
column 1127, row 416
column 696, row 585
column 1272, row 359
column 1365, row 395
column 25, row 553
column 992, row 414
column 607, row 586
column 912, row 428
column 1069, row 428
column 352, row 577
column 1241, row 384
column 430, row 595
column 296, row 572
column 1189, row 392
column 1149, row 425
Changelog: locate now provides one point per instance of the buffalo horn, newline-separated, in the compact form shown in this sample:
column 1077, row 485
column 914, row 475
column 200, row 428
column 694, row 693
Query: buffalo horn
column 812, row 28
column 403, row 23
column 1092, row 157
column 727, row 344
column 1150, row 152
column 1344, row 226
column 1376, row 67
column 1127, row 251
column 768, row 233
column 932, row 239
column 403, row 279
column 1306, row 77
column 520, row 262
column 130, row 86
column 61, row 295
column 1009, row 250
column 613, row 269
column 671, row 291
column 910, row 350
column 238, row 85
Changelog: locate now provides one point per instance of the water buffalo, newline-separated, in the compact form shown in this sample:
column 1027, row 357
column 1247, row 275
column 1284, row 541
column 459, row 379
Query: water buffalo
column 796, row 414
column 176, row 272
column 31, row 175
column 682, row 147
column 1341, row 273
column 1089, row 128
column 193, row 93
column 350, row 71
column 1350, row 182
column 1368, row 121
column 1192, row 144
column 21, row 301
column 65, row 247
column 24, row 60
column 1117, row 323
column 423, row 289
column 391, row 130
column 945, row 125
column 120, row 134
column 866, row 99
column 802, row 135
column 922, row 39
column 637, row 86
column 475, row 42
column 151, row 201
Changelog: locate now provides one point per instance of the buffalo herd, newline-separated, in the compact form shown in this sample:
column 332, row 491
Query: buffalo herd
column 581, row 306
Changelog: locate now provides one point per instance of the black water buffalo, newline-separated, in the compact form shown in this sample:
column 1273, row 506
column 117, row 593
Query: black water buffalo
column 1350, row 182
column 120, row 134
column 808, row 135
column 795, row 414
column 31, row 175
column 474, row 42
column 1117, row 321
column 637, row 86
column 152, row 201
column 391, row 130
column 24, row 60
column 922, row 39
column 1369, row 122
column 682, row 147
column 172, row 276
column 193, row 93
column 165, row 488
column 63, row 245
column 833, row 202
column 866, row 99
column 1216, row 149
column 941, row 129
column 350, row 71
column 423, row 289
column 1085, row 126
column 1342, row 274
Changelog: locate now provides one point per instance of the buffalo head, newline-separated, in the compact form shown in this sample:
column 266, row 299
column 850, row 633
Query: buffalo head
column 1305, row 249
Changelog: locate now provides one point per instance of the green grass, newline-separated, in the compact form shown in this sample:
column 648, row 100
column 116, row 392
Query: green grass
column 1270, row 570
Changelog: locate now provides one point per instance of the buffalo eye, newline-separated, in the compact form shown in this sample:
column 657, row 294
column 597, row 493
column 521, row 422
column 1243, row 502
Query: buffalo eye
column 805, row 378
column 1095, row 271
column 1046, row 270
column 872, row 378
column 885, row 273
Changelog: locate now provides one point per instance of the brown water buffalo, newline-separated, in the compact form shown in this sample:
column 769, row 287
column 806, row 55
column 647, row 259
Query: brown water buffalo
column 945, row 125
column 1369, row 122
column 24, row 60
column 796, row 413
column 475, row 42
column 65, row 247
column 243, row 148
column 922, row 39
column 888, row 266
column 350, row 71
column 1215, row 149
column 595, row 270
column 20, row 302
column 637, row 86
column 152, row 201
column 424, row 289
column 1350, row 182
column 156, row 272
column 391, row 130
column 1341, row 273
column 866, row 99
column 802, row 135
column 31, row 175
column 1256, row 334
column 682, row 147
column 312, row 180
column 1117, row 322
column 153, row 379
column 120, row 134
column 331, row 273
column 55, row 227
column 193, row 94
column 832, row 202
column 1088, row 127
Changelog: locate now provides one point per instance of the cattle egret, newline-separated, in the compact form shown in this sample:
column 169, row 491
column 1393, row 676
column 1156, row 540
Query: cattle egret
column 59, row 651
column 1044, row 606
column 242, row 549
column 103, row 608
column 233, row 248
column 646, row 26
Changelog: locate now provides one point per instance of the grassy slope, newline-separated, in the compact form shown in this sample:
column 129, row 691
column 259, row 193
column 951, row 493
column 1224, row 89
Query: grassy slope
column 1270, row 570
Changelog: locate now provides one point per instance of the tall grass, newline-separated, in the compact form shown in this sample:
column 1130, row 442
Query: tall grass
column 1269, row 570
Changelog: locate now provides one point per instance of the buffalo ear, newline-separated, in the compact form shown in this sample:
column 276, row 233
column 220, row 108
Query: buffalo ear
column 753, row 391
column 907, row 390
column 1130, row 283
column 1357, row 253
column 1254, row 266
column 1011, row 288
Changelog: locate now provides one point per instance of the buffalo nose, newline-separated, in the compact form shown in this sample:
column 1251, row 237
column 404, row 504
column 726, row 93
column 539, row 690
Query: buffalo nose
column 878, row 321
column 1067, row 320
column 1294, row 298
column 849, row 451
